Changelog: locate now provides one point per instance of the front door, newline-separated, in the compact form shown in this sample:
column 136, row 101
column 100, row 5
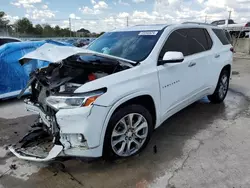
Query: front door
column 177, row 80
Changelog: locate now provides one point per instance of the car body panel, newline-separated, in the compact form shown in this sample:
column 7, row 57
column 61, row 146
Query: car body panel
column 52, row 53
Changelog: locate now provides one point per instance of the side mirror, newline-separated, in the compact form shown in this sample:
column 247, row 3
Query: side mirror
column 172, row 57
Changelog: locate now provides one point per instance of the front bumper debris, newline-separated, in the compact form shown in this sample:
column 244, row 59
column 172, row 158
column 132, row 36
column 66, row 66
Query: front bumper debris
column 67, row 133
column 54, row 152
column 30, row 106
column 37, row 146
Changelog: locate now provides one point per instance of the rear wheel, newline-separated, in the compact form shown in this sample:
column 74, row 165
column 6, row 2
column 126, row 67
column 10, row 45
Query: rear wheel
column 221, row 89
column 128, row 132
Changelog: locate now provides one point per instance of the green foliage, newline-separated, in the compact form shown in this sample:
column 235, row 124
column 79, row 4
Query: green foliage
column 38, row 30
column 25, row 28
column 100, row 34
column 3, row 20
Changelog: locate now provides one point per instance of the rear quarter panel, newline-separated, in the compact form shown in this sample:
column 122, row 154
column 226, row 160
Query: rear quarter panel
column 217, row 64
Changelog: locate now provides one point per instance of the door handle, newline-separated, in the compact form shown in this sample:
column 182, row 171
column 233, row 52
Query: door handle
column 217, row 56
column 191, row 64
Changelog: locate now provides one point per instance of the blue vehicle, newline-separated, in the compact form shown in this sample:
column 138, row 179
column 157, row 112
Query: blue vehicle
column 13, row 76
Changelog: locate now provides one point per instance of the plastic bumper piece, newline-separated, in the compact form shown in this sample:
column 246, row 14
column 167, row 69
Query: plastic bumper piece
column 54, row 152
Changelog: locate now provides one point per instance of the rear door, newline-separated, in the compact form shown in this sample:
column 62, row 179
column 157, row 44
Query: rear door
column 223, row 55
column 200, row 53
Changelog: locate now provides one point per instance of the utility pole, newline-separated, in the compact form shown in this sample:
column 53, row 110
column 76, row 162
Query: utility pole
column 127, row 20
column 229, row 14
column 206, row 19
column 69, row 27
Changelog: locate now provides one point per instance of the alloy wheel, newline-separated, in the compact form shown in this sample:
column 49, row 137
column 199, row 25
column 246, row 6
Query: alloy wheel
column 223, row 86
column 129, row 134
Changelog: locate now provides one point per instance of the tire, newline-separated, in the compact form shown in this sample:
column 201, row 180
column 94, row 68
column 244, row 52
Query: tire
column 221, row 89
column 117, row 126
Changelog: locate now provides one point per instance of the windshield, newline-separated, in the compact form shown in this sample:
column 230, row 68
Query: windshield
column 131, row 45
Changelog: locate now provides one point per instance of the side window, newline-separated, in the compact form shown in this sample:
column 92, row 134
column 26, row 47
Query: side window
column 209, row 40
column 214, row 23
column 221, row 22
column 12, row 40
column 221, row 35
column 229, row 38
column 230, row 22
column 198, row 40
column 4, row 41
column 177, row 41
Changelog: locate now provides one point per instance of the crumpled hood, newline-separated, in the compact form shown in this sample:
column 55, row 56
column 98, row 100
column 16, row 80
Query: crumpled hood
column 53, row 53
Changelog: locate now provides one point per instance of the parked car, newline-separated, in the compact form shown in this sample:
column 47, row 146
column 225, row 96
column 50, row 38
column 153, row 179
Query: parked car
column 82, row 42
column 13, row 76
column 107, row 100
column 235, row 29
column 4, row 40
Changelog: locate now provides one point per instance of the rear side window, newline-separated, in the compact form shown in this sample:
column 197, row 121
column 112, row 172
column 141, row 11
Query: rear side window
column 231, row 22
column 198, row 40
column 222, row 36
column 209, row 40
column 229, row 38
column 4, row 41
column 214, row 23
column 177, row 41
column 221, row 22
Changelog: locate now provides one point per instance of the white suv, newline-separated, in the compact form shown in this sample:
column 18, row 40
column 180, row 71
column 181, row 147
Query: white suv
column 107, row 100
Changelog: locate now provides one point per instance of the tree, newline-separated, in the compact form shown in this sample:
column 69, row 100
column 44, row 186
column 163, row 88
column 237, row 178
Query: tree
column 65, row 32
column 57, row 31
column 82, row 30
column 100, row 34
column 24, row 26
column 48, row 31
column 38, row 30
column 3, row 20
column 4, row 27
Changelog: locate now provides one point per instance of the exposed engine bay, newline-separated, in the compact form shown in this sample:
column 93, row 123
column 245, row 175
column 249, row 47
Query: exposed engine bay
column 70, row 74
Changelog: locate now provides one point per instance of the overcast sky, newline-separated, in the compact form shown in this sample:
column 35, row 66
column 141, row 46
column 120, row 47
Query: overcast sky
column 106, row 15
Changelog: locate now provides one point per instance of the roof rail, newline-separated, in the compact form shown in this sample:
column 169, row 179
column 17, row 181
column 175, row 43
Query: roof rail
column 199, row 23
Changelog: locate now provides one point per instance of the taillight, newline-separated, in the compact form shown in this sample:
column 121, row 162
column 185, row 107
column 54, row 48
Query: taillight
column 232, row 49
column 247, row 24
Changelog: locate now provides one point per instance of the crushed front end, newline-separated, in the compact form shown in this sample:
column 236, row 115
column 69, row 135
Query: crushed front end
column 69, row 123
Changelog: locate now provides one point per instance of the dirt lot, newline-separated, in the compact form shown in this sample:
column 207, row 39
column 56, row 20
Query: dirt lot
column 204, row 145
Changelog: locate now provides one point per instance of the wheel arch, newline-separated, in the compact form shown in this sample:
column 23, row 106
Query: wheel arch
column 136, row 98
column 227, row 67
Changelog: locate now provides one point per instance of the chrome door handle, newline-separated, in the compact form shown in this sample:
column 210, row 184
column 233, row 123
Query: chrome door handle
column 191, row 64
column 217, row 56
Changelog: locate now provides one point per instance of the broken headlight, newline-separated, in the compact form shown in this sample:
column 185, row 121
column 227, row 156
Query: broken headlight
column 74, row 101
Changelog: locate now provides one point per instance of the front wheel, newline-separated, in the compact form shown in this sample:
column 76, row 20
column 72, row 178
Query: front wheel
column 221, row 89
column 128, row 132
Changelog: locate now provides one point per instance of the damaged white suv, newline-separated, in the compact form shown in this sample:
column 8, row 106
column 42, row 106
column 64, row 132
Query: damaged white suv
column 107, row 100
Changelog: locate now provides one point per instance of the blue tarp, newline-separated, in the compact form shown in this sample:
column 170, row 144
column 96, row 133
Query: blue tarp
column 13, row 76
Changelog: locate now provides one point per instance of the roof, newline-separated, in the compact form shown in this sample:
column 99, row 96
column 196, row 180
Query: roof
column 4, row 37
column 155, row 27
column 158, row 27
